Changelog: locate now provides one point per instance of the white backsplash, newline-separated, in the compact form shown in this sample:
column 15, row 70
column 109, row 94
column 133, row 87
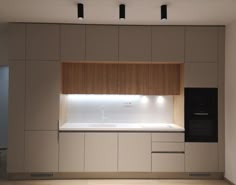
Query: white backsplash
column 118, row 109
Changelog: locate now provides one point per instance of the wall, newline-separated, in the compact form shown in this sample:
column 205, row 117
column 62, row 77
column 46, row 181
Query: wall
column 3, row 44
column 119, row 109
column 230, row 103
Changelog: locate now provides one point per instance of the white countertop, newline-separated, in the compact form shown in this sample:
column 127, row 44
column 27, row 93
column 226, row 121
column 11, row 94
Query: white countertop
column 162, row 127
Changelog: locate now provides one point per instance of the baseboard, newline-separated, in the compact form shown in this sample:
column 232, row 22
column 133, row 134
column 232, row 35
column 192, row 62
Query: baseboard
column 229, row 181
column 120, row 175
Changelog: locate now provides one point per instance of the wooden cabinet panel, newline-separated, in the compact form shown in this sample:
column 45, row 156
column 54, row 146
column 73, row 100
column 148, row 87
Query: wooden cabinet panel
column 15, row 153
column 42, row 95
column 42, row 42
column 164, row 79
column 89, row 78
column 17, row 41
column 101, row 152
column 201, row 44
column 201, row 75
column 101, row 43
column 133, row 79
column 157, row 79
column 72, row 42
column 134, row 152
column 41, row 151
column 168, row 44
column 167, row 162
column 71, row 152
column 168, row 137
column 201, row 157
column 167, row 147
column 134, row 43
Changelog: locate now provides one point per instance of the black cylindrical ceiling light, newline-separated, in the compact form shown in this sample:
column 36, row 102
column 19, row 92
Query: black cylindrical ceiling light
column 122, row 11
column 80, row 7
column 164, row 12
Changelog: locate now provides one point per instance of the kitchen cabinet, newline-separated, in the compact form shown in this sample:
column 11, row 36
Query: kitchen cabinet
column 16, row 41
column 71, row 152
column 42, row 95
column 164, row 79
column 134, row 152
column 135, row 43
column 167, row 137
column 72, row 42
column 41, row 151
column 101, row 152
column 133, row 79
column 201, row 44
column 167, row 162
column 42, row 42
column 101, row 43
column 16, row 122
column 201, row 157
column 168, row 44
column 201, row 75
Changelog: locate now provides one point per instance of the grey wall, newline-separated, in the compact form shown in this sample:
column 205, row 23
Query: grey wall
column 230, row 103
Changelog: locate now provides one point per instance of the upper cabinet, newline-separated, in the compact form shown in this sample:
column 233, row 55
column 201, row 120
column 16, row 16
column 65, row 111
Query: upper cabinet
column 42, row 95
column 201, row 44
column 168, row 44
column 42, row 42
column 134, row 43
column 72, row 42
column 16, row 41
column 101, row 43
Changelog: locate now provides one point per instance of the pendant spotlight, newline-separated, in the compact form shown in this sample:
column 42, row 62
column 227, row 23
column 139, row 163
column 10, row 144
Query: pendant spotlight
column 80, row 7
column 122, row 11
column 164, row 12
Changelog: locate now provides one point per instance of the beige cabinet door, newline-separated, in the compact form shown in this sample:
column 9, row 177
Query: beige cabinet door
column 101, row 152
column 16, row 122
column 41, row 151
column 72, row 42
column 16, row 41
column 167, row 162
column 168, row 44
column 200, row 75
column 201, row 44
column 71, row 152
column 134, row 152
column 42, row 41
column 134, row 43
column 42, row 95
column 201, row 157
column 101, row 43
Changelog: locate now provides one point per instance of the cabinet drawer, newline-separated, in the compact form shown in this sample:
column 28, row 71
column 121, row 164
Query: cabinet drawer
column 167, row 147
column 167, row 162
column 168, row 137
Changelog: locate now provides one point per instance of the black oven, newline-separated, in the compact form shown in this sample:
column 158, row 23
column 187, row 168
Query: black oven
column 201, row 115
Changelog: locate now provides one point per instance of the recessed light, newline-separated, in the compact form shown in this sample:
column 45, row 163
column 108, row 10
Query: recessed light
column 122, row 12
column 80, row 10
column 164, row 12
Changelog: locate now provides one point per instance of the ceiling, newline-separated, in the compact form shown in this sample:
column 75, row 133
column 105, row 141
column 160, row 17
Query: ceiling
column 180, row 12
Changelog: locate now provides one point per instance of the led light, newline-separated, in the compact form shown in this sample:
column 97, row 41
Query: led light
column 80, row 9
column 160, row 100
column 144, row 99
column 122, row 12
column 163, row 12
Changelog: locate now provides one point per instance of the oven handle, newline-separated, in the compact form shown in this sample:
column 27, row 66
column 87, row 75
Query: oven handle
column 200, row 114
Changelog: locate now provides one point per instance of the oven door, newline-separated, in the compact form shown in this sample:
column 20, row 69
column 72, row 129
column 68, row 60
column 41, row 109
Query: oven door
column 201, row 130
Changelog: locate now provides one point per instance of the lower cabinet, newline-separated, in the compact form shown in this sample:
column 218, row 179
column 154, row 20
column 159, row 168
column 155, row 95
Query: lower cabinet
column 41, row 151
column 101, row 152
column 134, row 152
column 71, row 152
column 168, row 162
column 201, row 157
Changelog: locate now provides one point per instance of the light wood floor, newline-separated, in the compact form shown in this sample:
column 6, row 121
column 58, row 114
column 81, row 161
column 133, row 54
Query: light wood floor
column 116, row 182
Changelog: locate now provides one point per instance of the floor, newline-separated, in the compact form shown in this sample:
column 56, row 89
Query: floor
column 116, row 182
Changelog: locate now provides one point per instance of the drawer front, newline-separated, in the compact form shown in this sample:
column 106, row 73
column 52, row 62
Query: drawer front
column 167, row 162
column 168, row 137
column 167, row 147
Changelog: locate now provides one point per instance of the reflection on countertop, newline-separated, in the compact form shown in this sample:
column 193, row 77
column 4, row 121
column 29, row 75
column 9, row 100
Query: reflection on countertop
column 162, row 127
